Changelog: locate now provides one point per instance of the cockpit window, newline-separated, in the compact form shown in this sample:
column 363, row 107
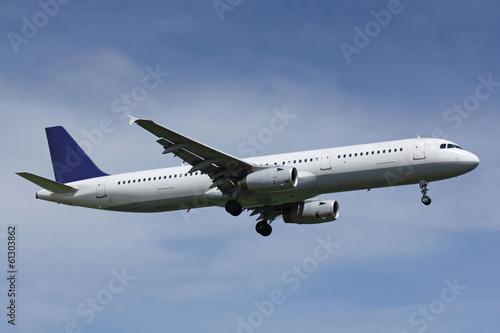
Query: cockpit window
column 449, row 145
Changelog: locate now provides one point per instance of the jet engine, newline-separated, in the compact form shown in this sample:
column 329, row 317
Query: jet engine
column 270, row 179
column 311, row 211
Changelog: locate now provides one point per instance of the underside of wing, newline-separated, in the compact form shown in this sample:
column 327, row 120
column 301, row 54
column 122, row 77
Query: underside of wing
column 224, row 170
column 267, row 213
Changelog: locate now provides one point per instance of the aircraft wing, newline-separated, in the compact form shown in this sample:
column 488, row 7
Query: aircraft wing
column 223, row 169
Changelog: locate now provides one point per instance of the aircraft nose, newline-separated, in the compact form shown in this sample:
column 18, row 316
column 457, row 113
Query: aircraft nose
column 472, row 161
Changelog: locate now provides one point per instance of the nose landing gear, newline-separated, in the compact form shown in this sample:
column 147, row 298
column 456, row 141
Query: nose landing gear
column 423, row 189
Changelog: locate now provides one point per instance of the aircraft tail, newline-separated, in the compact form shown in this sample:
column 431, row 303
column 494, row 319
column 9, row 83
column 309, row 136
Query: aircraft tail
column 69, row 161
column 47, row 184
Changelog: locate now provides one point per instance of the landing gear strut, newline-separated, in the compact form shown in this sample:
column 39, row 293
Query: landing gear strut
column 263, row 228
column 233, row 207
column 423, row 189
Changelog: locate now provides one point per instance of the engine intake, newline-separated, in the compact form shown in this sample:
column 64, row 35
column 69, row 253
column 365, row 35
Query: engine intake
column 312, row 211
column 270, row 179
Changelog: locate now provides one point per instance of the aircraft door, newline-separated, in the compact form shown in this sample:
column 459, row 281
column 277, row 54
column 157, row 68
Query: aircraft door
column 419, row 149
column 326, row 161
column 101, row 187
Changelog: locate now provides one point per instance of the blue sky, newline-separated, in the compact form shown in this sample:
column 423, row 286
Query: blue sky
column 393, row 265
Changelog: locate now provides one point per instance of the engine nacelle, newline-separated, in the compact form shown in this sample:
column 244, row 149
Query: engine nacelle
column 312, row 211
column 270, row 179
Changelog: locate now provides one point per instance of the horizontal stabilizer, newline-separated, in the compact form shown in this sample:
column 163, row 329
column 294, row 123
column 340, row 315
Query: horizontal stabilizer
column 47, row 184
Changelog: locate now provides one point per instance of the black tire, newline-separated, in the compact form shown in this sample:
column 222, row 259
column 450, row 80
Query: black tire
column 426, row 200
column 264, row 228
column 233, row 207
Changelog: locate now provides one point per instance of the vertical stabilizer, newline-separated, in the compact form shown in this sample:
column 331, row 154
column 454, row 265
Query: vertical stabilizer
column 69, row 161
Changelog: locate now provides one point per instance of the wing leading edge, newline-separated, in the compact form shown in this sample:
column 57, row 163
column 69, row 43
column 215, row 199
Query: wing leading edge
column 224, row 170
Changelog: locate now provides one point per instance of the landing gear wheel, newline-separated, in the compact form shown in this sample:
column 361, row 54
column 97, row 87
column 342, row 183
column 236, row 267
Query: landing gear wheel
column 423, row 189
column 233, row 207
column 264, row 228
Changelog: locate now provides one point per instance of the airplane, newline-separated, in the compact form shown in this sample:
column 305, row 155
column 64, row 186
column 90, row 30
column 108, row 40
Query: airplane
column 284, row 185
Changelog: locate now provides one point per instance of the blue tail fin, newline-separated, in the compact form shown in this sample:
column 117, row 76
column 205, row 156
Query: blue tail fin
column 68, row 159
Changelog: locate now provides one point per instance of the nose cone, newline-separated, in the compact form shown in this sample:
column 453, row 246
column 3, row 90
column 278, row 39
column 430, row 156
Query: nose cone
column 471, row 161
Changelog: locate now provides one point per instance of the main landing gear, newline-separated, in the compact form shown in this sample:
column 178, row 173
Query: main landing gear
column 234, row 208
column 423, row 189
column 263, row 228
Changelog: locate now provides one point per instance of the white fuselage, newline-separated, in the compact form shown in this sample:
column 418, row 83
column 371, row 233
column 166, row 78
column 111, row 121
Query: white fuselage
column 321, row 171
